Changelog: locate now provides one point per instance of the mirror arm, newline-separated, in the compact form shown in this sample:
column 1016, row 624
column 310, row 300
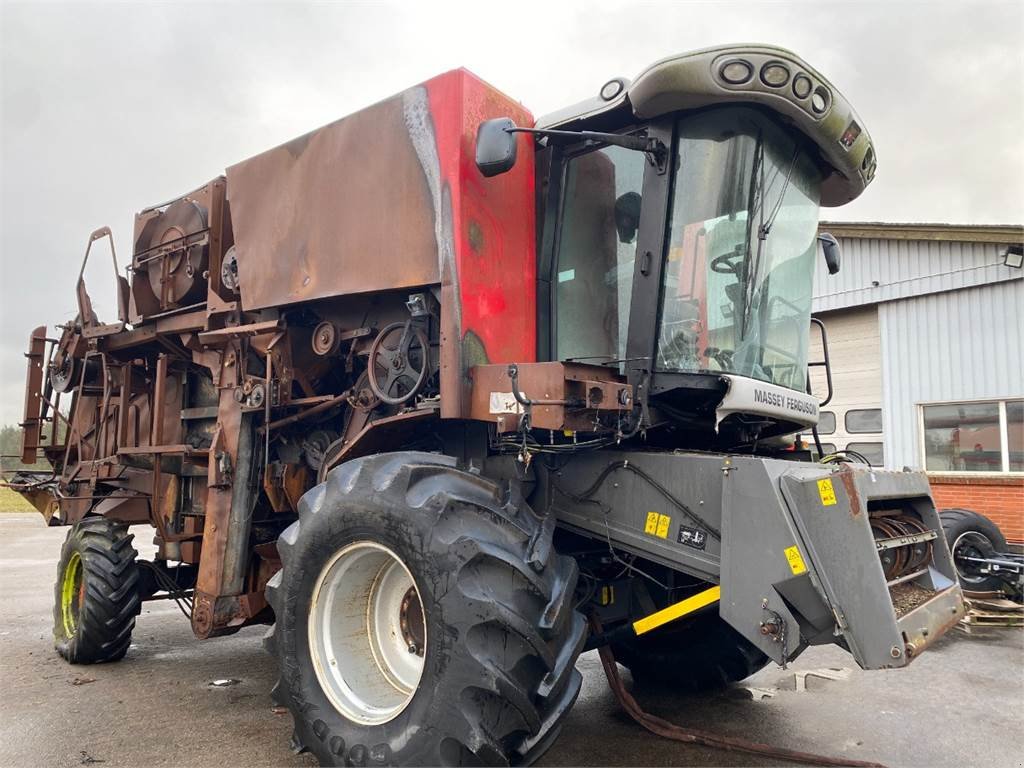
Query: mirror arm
column 655, row 149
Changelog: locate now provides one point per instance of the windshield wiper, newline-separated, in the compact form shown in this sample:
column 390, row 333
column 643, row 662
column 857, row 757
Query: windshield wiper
column 758, row 193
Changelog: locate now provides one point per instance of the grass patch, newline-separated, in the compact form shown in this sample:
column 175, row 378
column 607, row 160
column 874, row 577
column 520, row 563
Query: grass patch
column 13, row 502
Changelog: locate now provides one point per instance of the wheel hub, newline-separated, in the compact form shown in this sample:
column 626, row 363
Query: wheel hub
column 367, row 634
column 410, row 619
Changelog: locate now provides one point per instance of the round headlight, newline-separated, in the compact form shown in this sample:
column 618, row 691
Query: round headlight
column 736, row 72
column 801, row 86
column 774, row 74
column 820, row 100
column 611, row 89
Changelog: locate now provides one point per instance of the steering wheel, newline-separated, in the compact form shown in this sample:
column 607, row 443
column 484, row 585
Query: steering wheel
column 728, row 263
column 398, row 364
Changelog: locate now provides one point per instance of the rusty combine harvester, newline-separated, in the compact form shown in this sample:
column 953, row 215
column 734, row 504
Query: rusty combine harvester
column 426, row 387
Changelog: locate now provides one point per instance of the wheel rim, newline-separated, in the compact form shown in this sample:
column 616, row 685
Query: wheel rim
column 72, row 591
column 971, row 544
column 367, row 635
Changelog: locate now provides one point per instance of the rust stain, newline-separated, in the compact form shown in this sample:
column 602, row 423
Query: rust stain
column 850, row 484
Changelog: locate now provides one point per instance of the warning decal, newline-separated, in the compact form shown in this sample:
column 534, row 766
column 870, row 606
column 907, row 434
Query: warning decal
column 827, row 492
column 796, row 562
column 657, row 525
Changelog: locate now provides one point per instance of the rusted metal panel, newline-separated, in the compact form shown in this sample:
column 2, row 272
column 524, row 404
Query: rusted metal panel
column 178, row 247
column 32, row 426
column 344, row 209
column 565, row 396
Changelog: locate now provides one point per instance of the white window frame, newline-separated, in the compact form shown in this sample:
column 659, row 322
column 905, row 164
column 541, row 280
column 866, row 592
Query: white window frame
column 1004, row 438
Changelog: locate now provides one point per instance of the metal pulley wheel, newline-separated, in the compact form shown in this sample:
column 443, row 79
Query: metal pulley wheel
column 399, row 362
column 325, row 339
column 176, row 278
column 63, row 370
column 229, row 270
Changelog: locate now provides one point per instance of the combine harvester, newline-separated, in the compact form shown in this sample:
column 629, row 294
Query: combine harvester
column 431, row 386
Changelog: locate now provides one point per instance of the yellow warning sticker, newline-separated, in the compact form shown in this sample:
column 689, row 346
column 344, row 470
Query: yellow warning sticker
column 827, row 492
column 796, row 562
column 657, row 525
column 651, row 526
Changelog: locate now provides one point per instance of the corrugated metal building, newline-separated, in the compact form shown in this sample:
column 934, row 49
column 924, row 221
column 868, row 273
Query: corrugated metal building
column 926, row 337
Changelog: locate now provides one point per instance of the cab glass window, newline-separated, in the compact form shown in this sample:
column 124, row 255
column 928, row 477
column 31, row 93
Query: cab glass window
column 596, row 250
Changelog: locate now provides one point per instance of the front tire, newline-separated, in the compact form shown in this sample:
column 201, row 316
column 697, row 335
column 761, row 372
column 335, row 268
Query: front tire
column 96, row 598
column 700, row 654
column 406, row 553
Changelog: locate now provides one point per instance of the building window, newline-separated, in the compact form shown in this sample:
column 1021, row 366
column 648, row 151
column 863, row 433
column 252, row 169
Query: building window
column 974, row 437
column 867, row 420
column 1015, row 435
column 827, row 449
column 871, row 451
column 826, row 423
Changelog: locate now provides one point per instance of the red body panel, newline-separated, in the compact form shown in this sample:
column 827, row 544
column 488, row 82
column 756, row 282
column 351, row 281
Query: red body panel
column 488, row 282
column 493, row 221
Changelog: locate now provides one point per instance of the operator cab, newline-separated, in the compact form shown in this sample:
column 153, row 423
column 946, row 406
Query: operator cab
column 680, row 236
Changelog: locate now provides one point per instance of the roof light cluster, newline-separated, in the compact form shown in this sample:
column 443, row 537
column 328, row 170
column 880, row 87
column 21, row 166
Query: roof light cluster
column 775, row 76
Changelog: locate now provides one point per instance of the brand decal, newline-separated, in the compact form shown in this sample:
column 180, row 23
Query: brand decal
column 786, row 402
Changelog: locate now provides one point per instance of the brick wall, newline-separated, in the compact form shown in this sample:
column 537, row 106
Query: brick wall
column 998, row 498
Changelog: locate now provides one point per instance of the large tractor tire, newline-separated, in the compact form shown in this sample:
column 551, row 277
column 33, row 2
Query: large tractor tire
column 700, row 654
column 96, row 598
column 970, row 534
column 423, row 618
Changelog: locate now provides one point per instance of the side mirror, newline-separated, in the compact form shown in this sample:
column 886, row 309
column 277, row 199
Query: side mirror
column 495, row 146
column 833, row 253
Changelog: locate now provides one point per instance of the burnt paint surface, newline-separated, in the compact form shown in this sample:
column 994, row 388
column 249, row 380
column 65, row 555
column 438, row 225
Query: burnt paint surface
column 342, row 210
column 390, row 198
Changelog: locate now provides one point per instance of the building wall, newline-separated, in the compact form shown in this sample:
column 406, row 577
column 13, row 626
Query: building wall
column 887, row 268
column 953, row 346
column 999, row 498
column 854, row 344
column 950, row 328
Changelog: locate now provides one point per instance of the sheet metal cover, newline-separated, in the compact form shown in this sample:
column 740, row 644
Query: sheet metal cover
column 344, row 209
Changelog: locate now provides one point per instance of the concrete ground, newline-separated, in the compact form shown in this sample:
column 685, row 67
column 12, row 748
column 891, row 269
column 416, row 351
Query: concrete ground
column 962, row 703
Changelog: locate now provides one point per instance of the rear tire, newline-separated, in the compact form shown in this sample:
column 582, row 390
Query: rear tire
column 700, row 654
column 968, row 532
column 96, row 598
column 499, row 633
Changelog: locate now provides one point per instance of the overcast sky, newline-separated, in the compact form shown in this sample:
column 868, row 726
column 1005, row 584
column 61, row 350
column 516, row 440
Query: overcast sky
column 109, row 108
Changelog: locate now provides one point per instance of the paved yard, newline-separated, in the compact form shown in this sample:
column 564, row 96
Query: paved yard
column 960, row 704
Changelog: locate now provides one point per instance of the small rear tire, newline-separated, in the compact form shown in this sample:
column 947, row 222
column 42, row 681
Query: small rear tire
column 969, row 533
column 96, row 598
